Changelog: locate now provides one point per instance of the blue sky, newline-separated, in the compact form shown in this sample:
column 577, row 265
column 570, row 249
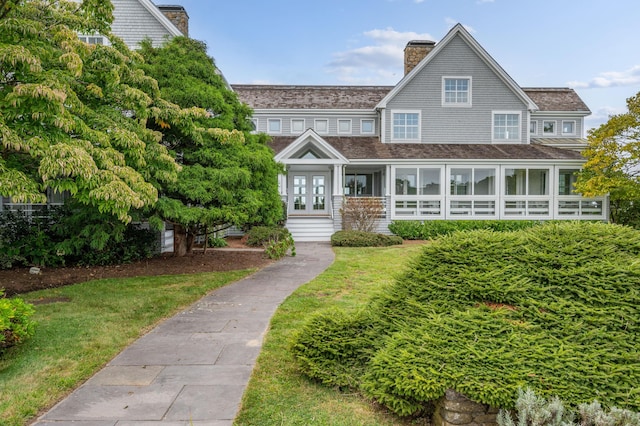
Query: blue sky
column 590, row 45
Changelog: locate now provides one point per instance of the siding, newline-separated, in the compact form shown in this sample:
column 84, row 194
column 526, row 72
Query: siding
column 133, row 23
column 558, row 118
column 309, row 122
column 457, row 125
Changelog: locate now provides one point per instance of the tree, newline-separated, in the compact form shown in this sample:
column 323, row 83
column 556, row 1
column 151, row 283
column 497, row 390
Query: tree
column 228, row 176
column 76, row 117
column 613, row 162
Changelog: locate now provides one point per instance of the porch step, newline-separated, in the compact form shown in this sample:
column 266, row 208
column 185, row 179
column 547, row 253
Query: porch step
column 310, row 228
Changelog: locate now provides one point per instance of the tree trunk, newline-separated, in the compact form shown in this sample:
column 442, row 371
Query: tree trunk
column 180, row 242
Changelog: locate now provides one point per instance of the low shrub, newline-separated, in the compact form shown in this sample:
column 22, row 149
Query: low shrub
column 363, row 239
column 554, row 307
column 429, row 229
column 15, row 321
column 532, row 409
column 276, row 240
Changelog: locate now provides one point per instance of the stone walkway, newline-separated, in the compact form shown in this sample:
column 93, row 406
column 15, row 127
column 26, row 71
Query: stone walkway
column 194, row 367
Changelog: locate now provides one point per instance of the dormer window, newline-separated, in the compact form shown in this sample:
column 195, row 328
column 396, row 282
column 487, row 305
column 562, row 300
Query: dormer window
column 274, row 125
column 456, row 91
column 92, row 39
column 569, row 128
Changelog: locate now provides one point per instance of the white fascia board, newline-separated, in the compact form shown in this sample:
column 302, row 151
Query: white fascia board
column 173, row 30
column 283, row 156
column 312, row 161
column 317, row 112
column 556, row 114
column 458, row 29
column 449, row 162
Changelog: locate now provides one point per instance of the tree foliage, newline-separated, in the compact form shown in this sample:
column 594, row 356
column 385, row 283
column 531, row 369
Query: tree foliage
column 77, row 117
column 228, row 176
column 613, row 160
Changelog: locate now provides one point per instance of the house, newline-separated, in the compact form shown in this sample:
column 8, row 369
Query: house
column 456, row 138
column 136, row 20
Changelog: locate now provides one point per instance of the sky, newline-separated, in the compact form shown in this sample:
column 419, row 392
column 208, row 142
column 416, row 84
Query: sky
column 592, row 46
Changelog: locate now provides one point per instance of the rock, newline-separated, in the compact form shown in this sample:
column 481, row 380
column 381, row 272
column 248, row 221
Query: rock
column 34, row 270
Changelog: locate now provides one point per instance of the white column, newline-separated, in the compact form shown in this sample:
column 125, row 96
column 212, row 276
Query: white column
column 337, row 179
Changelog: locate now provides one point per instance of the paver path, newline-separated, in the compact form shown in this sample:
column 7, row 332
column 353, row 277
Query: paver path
column 193, row 368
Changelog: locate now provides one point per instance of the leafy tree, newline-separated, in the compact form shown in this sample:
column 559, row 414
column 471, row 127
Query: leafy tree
column 613, row 163
column 74, row 117
column 228, row 176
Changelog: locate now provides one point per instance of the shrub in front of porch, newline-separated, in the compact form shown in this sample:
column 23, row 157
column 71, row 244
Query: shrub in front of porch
column 429, row 229
column 363, row 239
column 555, row 308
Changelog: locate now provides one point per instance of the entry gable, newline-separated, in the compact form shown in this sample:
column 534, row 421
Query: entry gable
column 459, row 31
column 310, row 148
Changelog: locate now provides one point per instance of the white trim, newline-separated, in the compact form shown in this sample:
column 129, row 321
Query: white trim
column 315, row 112
column 347, row 132
column 573, row 133
column 459, row 30
column 373, row 126
column 467, row 104
column 493, row 127
column 535, row 127
column 163, row 20
column 315, row 126
column 310, row 136
column 407, row 111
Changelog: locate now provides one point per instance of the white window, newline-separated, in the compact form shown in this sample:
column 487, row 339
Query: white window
column 456, row 91
column 367, row 127
column 526, row 181
column 548, row 127
column 566, row 181
column 506, row 126
column 321, row 126
column 274, row 125
column 254, row 124
column 473, row 181
column 568, row 127
column 533, row 127
column 406, row 125
column 297, row 125
column 344, row 126
column 92, row 39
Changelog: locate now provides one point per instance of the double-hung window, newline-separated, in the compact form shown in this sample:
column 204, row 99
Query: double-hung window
column 506, row 126
column 456, row 91
column 406, row 126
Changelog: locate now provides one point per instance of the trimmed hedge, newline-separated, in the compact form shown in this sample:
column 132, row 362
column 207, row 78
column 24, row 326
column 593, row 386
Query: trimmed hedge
column 429, row 229
column 555, row 308
column 363, row 239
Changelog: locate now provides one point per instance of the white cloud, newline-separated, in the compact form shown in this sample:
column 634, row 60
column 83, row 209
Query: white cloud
column 379, row 62
column 629, row 77
column 601, row 116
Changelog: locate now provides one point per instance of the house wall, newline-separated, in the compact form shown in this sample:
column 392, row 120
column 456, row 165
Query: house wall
column 262, row 122
column 540, row 118
column 456, row 125
column 133, row 23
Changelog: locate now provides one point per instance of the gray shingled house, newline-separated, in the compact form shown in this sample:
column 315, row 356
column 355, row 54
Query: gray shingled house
column 456, row 138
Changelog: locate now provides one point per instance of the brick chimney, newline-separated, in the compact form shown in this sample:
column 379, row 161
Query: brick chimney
column 178, row 17
column 415, row 51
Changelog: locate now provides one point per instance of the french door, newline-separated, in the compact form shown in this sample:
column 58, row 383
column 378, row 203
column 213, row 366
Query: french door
column 308, row 193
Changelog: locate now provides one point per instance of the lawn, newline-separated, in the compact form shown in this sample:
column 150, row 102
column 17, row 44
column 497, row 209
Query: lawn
column 278, row 394
column 82, row 327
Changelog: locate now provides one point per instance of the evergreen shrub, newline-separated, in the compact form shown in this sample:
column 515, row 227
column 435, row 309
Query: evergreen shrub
column 555, row 308
column 363, row 239
column 276, row 240
column 429, row 229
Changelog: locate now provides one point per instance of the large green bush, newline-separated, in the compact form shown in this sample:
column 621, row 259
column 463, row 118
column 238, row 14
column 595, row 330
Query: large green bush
column 71, row 236
column 363, row 239
column 555, row 308
column 429, row 229
column 276, row 240
column 15, row 321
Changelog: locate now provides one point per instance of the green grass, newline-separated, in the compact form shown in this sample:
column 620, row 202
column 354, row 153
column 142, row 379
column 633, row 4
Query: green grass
column 278, row 394
column 77, row 336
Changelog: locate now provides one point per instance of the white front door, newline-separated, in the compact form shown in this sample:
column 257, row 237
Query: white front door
column 308, row 193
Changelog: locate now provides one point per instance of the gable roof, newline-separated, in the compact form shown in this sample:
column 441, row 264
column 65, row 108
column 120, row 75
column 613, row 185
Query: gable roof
column 308, row 140
column 370, row 148
column 163, row 20
column 459, row 31
column 310, row 97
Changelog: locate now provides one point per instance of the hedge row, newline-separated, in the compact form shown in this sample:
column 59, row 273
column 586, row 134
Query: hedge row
column 429, row 229
column 555, row 308
column 363, row 239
